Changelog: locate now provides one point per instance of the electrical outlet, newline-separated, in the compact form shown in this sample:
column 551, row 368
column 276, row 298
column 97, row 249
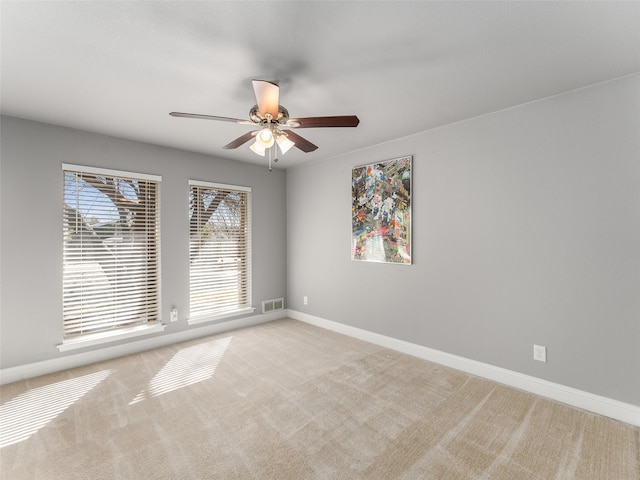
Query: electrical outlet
column 174, row 314
column 305, row 300
column 539, row 353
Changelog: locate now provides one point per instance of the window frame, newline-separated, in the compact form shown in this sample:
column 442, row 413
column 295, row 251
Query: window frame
column 133, row 329
column 241, row 308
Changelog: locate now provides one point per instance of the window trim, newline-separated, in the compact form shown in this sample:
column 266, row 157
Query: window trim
column 100, row 338
column 225, row 186
column 111, row 173
column 109, row 336
column 222, row 316
column 245, row 310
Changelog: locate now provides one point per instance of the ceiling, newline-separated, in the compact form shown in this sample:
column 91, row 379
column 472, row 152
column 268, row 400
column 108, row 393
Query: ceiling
column 119, row 68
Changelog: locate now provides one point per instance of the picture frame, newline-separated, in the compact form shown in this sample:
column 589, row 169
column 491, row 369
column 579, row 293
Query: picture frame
column 381, row 211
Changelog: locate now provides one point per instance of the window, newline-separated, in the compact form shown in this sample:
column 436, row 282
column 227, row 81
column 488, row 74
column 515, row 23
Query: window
column 111, row 252
column 219, row 251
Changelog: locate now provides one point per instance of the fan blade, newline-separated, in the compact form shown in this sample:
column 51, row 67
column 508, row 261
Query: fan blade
column 320, row 122
column 301, row 143
column 267, row 97
column 240, row 140
column 211, row 117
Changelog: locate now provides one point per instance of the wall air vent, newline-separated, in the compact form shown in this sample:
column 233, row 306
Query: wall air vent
column 269, row 306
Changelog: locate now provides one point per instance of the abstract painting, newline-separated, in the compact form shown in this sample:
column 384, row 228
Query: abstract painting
column 381, row 212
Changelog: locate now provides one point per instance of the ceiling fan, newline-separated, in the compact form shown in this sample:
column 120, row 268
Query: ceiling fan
column 274, row 123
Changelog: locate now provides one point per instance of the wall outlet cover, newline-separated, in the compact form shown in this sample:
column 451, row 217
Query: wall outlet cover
column 539, row 353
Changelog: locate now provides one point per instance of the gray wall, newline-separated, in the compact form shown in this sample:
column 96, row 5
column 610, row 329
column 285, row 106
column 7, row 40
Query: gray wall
column 31, row 226
column 526, row 229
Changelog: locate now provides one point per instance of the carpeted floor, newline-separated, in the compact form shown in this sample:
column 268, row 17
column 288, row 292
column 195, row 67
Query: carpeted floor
column 286, row 400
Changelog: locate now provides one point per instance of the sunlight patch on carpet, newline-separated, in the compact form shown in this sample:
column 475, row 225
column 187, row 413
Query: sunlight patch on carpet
column 24, row 415
column 188, row 366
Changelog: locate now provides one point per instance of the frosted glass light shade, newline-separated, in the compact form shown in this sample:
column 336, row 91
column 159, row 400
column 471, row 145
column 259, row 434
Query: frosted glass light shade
column 257, row 148
column 284, row 143
column 265, row 138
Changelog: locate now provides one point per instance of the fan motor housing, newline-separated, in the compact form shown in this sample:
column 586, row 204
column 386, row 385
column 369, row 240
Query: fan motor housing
column 283, row 115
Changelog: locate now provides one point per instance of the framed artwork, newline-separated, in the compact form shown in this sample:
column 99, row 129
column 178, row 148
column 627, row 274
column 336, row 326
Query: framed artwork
column 381, row 212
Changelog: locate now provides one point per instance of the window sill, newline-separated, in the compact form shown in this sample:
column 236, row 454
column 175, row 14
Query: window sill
column 221, row 316
column 113, row 336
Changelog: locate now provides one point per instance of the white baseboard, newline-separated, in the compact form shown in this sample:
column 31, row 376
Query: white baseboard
column 21, row 372
column 624, row 412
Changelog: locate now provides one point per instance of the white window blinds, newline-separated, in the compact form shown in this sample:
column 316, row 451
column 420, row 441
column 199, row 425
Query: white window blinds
column 219, row 249
column 111, row 250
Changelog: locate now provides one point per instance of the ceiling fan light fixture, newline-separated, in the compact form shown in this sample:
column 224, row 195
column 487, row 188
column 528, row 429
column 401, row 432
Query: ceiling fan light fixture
column 284, row 143
column 267, row 115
